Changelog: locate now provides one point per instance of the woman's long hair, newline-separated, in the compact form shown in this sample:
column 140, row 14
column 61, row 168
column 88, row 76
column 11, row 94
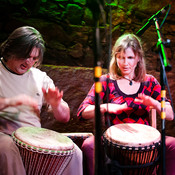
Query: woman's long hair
column 124, row 42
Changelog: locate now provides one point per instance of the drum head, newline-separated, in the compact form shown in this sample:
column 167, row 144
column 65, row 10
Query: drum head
column 43, row 138
column 132, row 135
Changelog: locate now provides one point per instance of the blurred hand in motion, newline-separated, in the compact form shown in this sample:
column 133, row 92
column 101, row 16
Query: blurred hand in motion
column 20, row 100
column 53, row 96
column 144, row 99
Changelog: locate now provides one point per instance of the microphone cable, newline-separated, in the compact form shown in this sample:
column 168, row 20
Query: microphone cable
column 165, row 16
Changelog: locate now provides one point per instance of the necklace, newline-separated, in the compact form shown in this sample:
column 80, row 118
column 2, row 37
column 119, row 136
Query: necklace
column 2, row 61
column 130, row 81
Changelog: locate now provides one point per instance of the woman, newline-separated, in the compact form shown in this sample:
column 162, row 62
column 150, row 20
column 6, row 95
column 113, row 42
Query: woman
column 131, row 94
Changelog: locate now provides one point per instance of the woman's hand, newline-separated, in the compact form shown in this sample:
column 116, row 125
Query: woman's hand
column 112, row 108
column 89, row 111
column 145, row 100
column 149, row 101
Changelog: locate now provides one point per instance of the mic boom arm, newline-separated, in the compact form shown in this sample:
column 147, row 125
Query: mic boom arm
column 150, row 20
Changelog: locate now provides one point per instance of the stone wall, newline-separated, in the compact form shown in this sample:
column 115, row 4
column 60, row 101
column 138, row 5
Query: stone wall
column 67, row 27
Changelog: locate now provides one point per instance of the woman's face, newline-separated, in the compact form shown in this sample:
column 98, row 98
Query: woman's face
column 21, row 66
column 127, row 62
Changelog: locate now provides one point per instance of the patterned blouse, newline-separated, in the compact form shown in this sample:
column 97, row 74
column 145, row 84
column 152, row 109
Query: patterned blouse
column 136, row 112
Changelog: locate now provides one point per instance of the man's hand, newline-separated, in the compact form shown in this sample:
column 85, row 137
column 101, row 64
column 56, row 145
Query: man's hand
column 53, row 96
column 20, row 100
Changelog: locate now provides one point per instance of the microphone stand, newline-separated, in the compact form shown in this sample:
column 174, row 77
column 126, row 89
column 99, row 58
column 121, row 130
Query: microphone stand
column 95, row 7
column 98, row 89
column 164, row 65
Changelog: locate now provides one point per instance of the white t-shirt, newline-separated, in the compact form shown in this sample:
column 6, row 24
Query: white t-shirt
column 31, row 84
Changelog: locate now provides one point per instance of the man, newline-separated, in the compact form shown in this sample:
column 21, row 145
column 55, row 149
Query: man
column 21, row 53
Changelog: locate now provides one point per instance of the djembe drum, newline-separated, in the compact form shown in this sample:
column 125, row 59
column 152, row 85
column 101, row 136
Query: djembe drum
column 43, row 151
column 133, row 148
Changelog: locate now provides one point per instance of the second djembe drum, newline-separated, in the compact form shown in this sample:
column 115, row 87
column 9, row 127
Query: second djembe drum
column 133, row 148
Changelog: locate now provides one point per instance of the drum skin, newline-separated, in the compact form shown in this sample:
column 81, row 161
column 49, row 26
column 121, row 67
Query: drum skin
column 135, row 148
column 43, row 151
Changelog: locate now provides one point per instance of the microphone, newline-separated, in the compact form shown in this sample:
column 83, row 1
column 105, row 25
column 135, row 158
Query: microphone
column 150, row 20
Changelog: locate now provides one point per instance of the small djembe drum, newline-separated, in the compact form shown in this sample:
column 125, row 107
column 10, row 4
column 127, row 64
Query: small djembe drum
column 133, row 148
column 78, row 137
column 43, row 151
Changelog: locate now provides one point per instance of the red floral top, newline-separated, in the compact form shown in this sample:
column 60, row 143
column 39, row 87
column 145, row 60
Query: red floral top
column 136, row 112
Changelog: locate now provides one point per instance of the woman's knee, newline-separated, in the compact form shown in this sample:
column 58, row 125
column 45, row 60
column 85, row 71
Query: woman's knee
column 88, row 144
column 170, row 144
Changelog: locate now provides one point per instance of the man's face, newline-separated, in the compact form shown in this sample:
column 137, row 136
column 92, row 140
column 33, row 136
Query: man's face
column 21, row 66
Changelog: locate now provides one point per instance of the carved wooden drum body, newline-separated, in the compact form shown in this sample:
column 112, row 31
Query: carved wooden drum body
column 43, row 151
column 134, row 148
